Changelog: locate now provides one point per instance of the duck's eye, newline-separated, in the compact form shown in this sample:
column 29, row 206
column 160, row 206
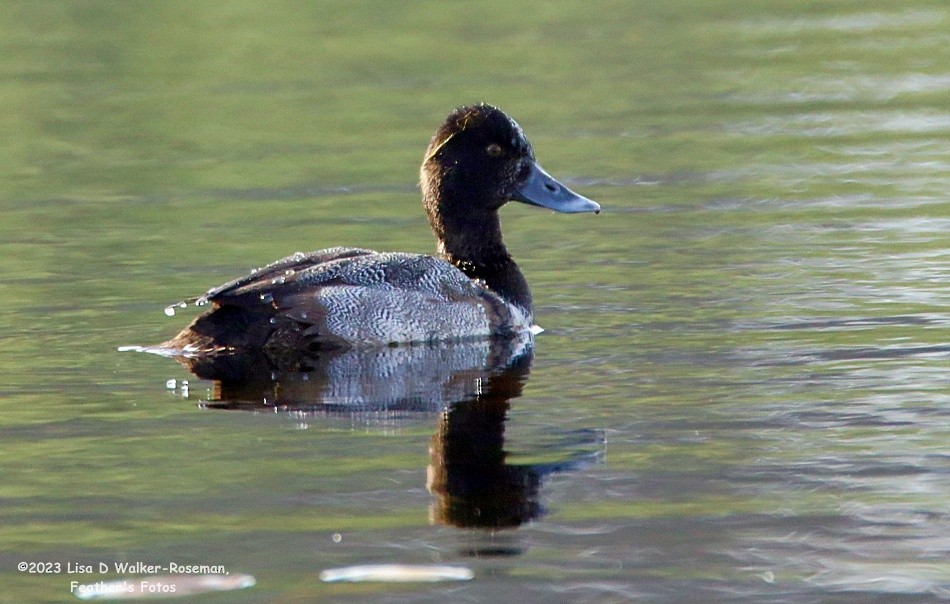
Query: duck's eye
column 494, row 150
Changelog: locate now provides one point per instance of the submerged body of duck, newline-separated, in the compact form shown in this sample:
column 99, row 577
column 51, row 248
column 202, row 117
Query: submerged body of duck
column 478, row 160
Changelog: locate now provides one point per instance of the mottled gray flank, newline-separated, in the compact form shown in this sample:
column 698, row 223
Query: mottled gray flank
column 369, row 298
column 393, row 297
column 371, row 315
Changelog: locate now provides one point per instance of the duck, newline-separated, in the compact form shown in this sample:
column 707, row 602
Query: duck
column 477, row 161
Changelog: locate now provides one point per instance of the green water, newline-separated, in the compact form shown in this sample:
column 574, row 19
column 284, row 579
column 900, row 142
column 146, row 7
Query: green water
column 756, row 327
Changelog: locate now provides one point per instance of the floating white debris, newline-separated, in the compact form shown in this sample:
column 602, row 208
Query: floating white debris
column 535, row 329
column 171, row 384
column 161, row 586
column 131, row 349
column 397, row 573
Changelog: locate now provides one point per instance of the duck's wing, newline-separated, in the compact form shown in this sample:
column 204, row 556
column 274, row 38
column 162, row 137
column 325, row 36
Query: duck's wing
column 335, row 280
column 272, row 277
column 362, row 297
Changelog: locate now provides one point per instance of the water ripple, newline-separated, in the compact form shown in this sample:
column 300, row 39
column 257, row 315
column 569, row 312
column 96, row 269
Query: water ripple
column 844, row 123
column 853, row 23
column 877, row 88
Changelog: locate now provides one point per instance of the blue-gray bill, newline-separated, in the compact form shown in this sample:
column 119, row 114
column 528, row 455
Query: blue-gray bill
column 543, row 190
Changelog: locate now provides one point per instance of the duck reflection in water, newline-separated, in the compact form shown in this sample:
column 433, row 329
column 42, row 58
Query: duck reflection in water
column 467, row 473
column 470, row 385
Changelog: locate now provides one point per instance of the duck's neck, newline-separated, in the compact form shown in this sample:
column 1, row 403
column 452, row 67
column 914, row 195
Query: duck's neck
column 474, row 245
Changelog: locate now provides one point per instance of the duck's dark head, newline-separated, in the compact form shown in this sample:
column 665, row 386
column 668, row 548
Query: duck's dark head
column 479, row 160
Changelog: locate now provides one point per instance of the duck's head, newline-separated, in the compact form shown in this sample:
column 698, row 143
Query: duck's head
column 479, row 160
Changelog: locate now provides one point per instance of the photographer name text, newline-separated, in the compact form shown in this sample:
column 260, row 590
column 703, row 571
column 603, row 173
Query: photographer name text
column 118, row 568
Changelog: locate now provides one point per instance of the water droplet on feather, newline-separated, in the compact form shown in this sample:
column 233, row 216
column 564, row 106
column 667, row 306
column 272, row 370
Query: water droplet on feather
column 170, row 309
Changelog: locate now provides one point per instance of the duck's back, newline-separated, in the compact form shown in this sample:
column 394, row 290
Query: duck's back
column 347, row 297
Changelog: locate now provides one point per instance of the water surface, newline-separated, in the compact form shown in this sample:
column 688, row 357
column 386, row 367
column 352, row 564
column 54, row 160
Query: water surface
column 742, row 391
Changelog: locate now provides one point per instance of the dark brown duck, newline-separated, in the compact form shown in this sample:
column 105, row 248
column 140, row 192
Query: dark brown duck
column 478, row 161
